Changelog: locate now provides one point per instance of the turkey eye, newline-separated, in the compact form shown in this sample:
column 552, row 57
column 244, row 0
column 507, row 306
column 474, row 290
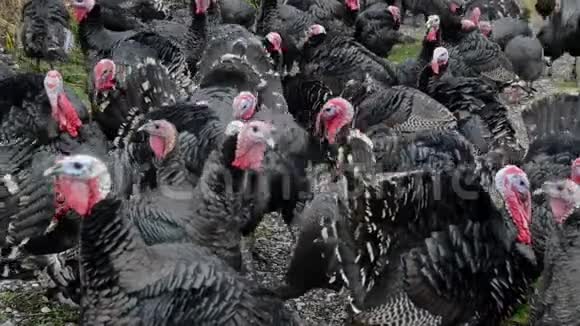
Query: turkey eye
column 156, row 126
column 77, row 165
column 560, row 188
column 255, row 129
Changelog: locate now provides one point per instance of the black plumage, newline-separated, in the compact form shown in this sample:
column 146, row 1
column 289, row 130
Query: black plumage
column 46, row 33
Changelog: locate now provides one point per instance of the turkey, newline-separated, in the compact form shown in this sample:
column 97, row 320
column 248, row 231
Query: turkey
column 382, row 263
column 94, row 38
column 237, row 12
column 553, row 129
column 7, row 64
column 427, row 8
column 504, row 30
column 313, row 260
column 481, row 116
column 335, row 59
column 39, row 107
column 132, row 14
column 527, row 58
column 235, row 60
column 45, row 31
column 126, row 85
column 492, row 10
column 471, row 54
column 558, row 289
column 558, row 35
column 377, row 28
column 104, row 233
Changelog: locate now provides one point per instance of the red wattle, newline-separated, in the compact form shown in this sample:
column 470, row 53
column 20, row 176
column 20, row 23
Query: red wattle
column 432, row 35
column 435, row 68
column 157, row 146
column 67, row 116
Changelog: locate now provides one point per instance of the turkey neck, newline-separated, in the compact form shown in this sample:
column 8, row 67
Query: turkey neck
column 92, row 30
column 171, row 170
column 196, row 40
column 106, row 244
column 267, row 17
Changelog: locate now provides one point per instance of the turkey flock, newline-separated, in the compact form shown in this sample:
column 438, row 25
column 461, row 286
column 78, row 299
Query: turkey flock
column 403, row 184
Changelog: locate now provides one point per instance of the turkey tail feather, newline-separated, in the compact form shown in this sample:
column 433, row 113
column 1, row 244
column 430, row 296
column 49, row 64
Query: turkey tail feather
column 553, row 115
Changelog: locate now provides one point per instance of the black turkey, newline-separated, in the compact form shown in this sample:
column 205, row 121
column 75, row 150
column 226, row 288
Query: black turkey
column 505, row 29
column 558, row 288
column 559, row 34
column 402, row 275
column 377, row 28
column 553, row 129
column 527, row 57
column 46, row 33
column 335, row 59
column 481, row 116
column 39, row 106
column 94, row 38
column 243, row 302
column 126, row 85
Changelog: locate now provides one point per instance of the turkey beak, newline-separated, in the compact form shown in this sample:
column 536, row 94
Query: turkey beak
column 435, row 67
column 147, row 127
column 56, row 169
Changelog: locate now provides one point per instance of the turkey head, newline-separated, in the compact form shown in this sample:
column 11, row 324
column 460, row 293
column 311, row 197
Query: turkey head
column 485, row 28
column 244, row 106
column 352, row 5
column 334, row 115
column 253, row 139
column 564, row 198
column 200, row 7
column 162, row 137
column 104, row 75
column 63, row 111
column 513, row 185
column 82, row 8
column 273, row 42
column 433, row 24
column 440, row 60
column 83, row 181
column 396, row 13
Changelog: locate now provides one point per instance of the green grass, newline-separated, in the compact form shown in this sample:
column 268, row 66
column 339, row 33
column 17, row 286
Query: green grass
column 567, row 86
column 521, row 316
column 73, row 72
column 29, row 305
column 402, row 52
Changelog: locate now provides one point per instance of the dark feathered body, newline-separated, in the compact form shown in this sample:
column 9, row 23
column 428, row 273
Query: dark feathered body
column 505, row 29
column 184, row 276
column 46, row 32
column 557, row 36
column 376, row 29
column 476, row 56
column 400, row 108
column 481, row 116
column 558, row 289
column 339, row 58
column 95, row 40
column 527, row 57
column 495, row 9
column 553, row 128
column 26, row 109
column 141, row 85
